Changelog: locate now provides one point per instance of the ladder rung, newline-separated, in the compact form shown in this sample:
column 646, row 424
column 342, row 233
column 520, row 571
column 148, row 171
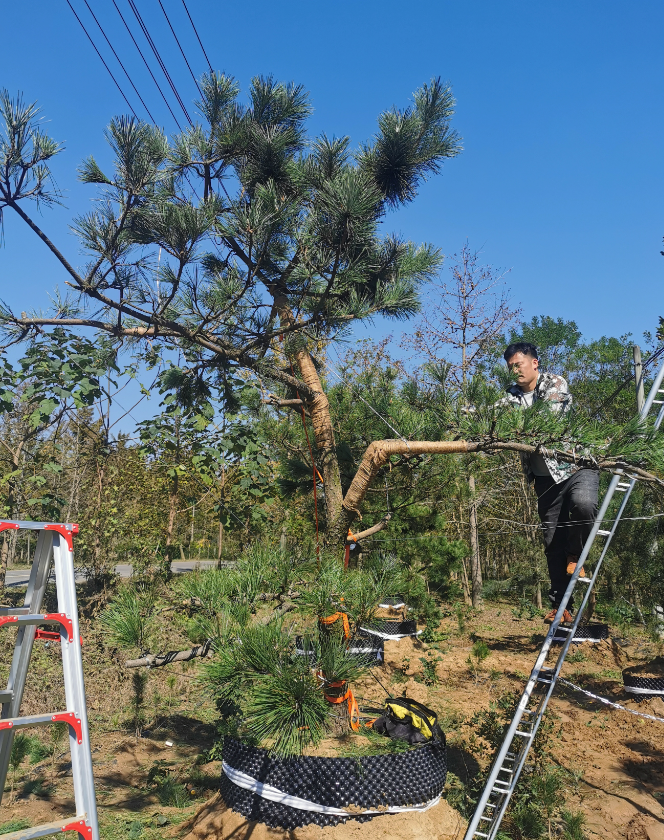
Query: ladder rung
column 622, row 486
column 584, row 580
column 14, row 610
column 658, row 402
column 561, row 627
column 524, row 734
column 604, row 533
column 44, row 720
column 504, row 769
column 79, row 824
column 41, row 618
column 479, row 834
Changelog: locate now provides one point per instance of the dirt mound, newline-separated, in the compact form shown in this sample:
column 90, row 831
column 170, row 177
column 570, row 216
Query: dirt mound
column 654, row 668
column 214, row 820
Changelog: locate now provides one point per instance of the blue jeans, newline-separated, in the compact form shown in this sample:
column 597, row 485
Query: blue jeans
column 568, row 512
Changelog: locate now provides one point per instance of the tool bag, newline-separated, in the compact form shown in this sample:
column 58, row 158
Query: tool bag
column 407, row 720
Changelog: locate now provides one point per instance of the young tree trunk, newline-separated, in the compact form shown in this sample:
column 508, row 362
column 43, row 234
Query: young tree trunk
column 170, row 528
column 475, row 566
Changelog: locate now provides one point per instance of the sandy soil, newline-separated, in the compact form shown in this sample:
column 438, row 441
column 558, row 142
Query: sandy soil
column 617, row 759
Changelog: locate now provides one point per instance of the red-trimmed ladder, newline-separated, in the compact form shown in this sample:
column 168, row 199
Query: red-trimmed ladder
column 54, row 547
column 511, row 757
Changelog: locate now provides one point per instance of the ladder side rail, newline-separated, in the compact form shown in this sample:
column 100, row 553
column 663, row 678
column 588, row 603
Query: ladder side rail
column 532, row 682
column 652, row 393
column 39, row 574
column 72, row 667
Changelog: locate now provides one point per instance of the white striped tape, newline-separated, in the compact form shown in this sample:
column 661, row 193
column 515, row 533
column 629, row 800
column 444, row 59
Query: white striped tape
column 610, row 702
column 247, row 782
column 389, row 636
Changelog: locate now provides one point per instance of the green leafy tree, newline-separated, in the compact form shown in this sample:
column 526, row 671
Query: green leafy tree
column 291, row 227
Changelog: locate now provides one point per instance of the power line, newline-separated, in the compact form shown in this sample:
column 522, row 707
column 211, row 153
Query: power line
column 193, row 26
column 180, row 47
column 102, row 59
column 160, row 60
column 140, row 52
column 118, row 60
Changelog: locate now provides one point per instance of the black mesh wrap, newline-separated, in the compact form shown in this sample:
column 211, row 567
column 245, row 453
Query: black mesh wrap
column 392, row 628
column 404, row 779
column 586, row 633
column 654, row 685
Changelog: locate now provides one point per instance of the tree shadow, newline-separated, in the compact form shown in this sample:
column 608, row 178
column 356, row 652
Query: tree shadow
column 462, row 763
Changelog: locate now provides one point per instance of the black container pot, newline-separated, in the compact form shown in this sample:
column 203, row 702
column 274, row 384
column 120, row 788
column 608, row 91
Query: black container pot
column 387, row 629
column 593, row 633
column 405, row 779
column 645, row 686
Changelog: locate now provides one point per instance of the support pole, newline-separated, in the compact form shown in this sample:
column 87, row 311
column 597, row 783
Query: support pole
column 638, row 377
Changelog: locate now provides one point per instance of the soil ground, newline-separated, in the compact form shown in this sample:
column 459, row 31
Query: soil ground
column 614, row 760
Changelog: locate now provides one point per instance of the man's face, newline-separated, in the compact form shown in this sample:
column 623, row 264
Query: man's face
column 526, row 369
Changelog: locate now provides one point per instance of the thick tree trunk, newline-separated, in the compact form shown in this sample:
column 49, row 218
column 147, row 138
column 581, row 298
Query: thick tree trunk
column 321, row 421
column 475, row 566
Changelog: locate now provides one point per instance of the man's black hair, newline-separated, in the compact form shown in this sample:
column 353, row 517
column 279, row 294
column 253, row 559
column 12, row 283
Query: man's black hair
column 524, row 347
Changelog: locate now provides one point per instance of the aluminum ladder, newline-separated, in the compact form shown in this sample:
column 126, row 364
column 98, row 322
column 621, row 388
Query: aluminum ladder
column 54, row 543
column 512, row 755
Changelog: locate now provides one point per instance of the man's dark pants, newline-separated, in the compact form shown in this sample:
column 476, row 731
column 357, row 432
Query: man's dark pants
column 567, row 511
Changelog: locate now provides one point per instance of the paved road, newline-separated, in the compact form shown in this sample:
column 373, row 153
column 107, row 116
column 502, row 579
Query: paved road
column 19, row 577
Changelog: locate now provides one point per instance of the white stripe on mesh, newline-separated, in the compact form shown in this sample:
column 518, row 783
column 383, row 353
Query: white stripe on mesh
column 247, row 782
column 634, row 690
column 389, row 636
column 611, row 703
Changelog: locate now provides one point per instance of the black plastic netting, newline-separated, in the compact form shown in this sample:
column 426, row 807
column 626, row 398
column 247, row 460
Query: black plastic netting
column 404, row 779
column 651, row 685
column 364, row 647
column 586, row 633
column 392, row 628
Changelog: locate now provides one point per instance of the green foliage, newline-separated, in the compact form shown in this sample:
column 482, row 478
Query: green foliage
column 14, row 825
column 288, row 711
column 129, row 618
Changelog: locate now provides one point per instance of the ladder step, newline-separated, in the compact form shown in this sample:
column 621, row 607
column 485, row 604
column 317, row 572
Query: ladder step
column 604, row 533
column 524, row 734
column 658, row 402
column 6, row 696
column 79, row 824
column 584, row 580
column 41, row 618
column 44, row 720
column 14, row 610
column 622, row 486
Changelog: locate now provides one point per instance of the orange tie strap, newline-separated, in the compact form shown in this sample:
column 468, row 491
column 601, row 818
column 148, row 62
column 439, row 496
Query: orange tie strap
column 330, row 619
column 353, row 708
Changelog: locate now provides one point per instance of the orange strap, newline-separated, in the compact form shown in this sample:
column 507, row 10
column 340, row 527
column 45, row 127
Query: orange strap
column 353, row 708
column 330, row 619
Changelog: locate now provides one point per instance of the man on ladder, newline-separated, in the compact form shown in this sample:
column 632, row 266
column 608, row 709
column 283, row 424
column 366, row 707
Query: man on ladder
column 566, row 494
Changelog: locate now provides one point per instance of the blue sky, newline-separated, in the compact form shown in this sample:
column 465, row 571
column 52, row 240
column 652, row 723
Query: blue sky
column 559, row 106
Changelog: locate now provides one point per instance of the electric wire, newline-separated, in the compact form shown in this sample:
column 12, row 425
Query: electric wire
column 180, row 48
column 193, row 26
column 101, row 29
column 110, row 73
column 160, row 60
column 140, row 52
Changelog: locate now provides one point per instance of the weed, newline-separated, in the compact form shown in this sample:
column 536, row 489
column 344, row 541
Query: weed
column 170, row 792
column 429, row 666
column 14, row 825
column 573, row 825
column 20, row 750
column 577, row 655
column 462, row 615
column 525, row 607
column 478, row 654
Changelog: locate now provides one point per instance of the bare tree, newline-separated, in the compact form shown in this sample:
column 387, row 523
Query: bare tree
column 467, row 314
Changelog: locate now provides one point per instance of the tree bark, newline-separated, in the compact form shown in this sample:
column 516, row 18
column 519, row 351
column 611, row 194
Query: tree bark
column 475, row 566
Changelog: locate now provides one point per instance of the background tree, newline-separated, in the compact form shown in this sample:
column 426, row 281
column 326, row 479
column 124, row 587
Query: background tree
column 458, row 329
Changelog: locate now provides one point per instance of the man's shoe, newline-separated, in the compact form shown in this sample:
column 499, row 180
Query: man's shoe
column 571, row 566
column 549, row 617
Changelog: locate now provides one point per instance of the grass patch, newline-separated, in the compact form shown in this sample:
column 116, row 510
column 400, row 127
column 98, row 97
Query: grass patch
column 14, row 825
